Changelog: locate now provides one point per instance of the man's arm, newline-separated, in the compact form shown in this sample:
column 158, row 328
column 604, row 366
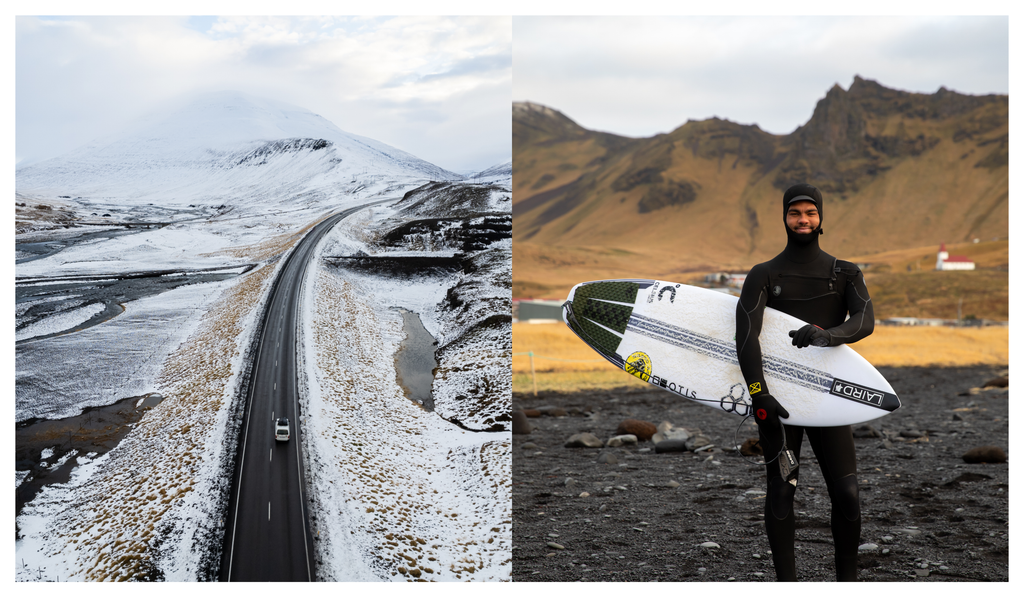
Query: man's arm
column 859, row 325
column 862, row 315
column 749, row 318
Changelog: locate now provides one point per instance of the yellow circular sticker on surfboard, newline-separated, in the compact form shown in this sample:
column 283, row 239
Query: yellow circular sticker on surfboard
column 639, row 364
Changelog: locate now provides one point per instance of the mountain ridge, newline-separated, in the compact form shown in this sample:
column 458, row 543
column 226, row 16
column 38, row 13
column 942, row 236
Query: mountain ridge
column 897, row 170
column 219, row 139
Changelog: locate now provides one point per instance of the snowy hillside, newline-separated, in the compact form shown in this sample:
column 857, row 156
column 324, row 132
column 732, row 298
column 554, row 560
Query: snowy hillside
column 500, row 174
column 227, row 147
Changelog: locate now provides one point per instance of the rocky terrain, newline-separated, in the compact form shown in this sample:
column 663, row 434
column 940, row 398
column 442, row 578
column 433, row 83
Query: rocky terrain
column 630, row 513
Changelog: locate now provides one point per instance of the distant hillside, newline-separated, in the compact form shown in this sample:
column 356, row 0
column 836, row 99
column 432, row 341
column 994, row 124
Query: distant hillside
column 898, row 170
column 225, row 148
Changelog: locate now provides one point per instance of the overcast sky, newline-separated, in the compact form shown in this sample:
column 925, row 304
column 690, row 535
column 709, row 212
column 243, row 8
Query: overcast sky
column 439, row 88
column 638, row 76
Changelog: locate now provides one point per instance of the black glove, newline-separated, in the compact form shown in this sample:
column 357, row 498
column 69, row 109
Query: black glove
column 767, row 411
column 810, row 334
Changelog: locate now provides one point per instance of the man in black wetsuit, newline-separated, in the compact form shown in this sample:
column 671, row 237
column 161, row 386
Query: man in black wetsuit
column 810, row 284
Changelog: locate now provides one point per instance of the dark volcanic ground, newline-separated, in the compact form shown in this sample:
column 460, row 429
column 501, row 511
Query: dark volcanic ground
column 930, row 515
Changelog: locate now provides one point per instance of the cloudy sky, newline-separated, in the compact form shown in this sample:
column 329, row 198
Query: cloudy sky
column 638, row 76
column 437, row 87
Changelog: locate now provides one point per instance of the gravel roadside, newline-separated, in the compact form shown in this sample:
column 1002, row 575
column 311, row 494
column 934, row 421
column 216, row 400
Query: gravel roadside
column 684, row 516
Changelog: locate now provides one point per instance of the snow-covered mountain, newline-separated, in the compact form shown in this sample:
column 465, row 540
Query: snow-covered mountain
column 498, row 173
column 228, row 147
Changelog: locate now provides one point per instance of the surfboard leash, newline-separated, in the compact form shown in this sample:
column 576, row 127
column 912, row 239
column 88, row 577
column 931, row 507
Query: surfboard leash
column 766, row 462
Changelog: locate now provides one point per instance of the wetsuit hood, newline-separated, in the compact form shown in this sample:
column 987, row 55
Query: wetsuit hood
column 802, row 248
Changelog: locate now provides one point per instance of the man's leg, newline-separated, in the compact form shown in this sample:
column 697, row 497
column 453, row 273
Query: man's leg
column 779, row 520
column 833, row 446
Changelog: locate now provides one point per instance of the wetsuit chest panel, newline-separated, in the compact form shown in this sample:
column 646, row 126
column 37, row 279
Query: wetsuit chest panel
column 813, row 292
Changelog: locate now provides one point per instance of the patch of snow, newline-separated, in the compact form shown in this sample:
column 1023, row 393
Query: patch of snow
column 59, row 322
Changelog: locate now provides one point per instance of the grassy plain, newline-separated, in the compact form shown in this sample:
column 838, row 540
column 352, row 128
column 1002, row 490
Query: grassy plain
column 902, row 283
column 563, row 362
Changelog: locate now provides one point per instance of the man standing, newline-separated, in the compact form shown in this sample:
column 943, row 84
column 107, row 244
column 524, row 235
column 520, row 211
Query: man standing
column 807, row 283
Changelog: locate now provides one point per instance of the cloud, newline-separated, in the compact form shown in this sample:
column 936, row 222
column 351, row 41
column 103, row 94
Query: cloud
column 642, row 75
column 78, row 78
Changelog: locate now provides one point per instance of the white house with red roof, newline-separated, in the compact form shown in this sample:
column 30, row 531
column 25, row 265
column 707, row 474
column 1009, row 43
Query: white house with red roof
column 945, row 262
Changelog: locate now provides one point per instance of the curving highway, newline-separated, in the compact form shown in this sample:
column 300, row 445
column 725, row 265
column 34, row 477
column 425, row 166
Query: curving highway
column 267, row 536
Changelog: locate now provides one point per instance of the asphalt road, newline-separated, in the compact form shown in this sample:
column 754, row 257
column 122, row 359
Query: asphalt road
column 268, row 537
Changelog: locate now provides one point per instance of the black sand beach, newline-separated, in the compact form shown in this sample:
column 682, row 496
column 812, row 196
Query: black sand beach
column 927, row 514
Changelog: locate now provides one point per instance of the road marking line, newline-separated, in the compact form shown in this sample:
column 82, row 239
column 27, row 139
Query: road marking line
column 268, row 510
column 271, row 455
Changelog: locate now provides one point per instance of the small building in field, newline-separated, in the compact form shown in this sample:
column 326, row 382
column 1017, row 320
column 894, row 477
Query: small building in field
column 536, row 311
column 946, row 262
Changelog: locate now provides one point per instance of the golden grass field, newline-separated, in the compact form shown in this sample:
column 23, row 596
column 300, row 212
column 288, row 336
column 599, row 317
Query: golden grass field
column 563, row 362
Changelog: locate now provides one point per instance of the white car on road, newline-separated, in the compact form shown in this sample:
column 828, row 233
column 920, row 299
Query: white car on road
column 282, row 432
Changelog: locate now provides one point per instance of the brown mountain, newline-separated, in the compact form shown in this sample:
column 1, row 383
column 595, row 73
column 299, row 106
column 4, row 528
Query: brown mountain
column 898, row 170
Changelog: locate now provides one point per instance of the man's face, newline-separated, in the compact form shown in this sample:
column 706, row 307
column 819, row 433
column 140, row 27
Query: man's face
column 802, row 217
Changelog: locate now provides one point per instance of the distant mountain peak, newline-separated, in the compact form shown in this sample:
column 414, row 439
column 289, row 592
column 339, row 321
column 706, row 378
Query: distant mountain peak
column 203, row 137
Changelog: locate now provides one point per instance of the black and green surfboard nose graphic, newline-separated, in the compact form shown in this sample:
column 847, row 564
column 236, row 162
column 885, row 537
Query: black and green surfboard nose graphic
column 595, row 311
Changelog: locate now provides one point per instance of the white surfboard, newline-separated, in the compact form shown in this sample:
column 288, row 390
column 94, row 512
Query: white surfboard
column 683, row 339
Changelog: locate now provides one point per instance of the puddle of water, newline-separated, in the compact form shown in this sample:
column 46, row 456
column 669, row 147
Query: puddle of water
column 415, row 361
column 96, row 431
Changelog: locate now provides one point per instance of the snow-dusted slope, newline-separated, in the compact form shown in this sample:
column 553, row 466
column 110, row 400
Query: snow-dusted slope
column 500, row 173
column 224, row 146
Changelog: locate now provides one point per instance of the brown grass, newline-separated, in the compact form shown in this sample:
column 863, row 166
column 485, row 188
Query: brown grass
column 563, row 362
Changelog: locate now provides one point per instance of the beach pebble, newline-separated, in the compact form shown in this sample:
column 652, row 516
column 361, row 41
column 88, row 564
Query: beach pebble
column 751, row 447
column 584, row 440
column 585, row 495
column 696, row 442
column 528, row 446
column 643, row 430
column 607, row 458
column 922, row 573
column 570, row 482
column 911, row 433
column 866, row 431
column 999, row 382
column 670, row 445
column 672, row 484
column 554, row 545
column 710, row 545
column 621, row 440
column 868, row 547
column 985, row 454
column 531, row 412
column 670, row 434
column 520, row 426
column 553, row 411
